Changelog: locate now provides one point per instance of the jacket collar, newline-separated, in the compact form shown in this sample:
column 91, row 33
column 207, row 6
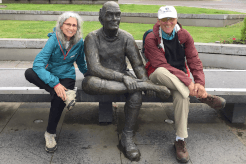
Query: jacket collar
column 158, row 33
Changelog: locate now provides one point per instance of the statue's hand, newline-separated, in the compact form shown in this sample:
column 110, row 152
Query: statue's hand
column 130, row 83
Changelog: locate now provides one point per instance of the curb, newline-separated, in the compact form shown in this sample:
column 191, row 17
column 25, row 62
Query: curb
column 211, row 54
column 213, row 48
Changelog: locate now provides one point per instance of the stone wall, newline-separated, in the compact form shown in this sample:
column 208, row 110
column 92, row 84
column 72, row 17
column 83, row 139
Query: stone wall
column 58, row 1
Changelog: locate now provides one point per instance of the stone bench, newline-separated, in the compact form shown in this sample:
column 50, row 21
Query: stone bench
column 229, row 84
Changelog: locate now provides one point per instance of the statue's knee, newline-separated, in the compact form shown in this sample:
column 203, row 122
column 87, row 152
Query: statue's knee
column 91, row 84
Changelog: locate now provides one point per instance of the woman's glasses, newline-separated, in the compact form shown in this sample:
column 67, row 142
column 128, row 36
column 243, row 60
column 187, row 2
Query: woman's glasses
column 69, row 25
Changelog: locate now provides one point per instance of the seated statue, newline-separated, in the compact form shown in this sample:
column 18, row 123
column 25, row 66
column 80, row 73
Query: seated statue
column 106, row 50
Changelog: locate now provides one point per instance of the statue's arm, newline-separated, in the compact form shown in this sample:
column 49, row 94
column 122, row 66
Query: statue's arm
column 135, row 59
column 93, row 61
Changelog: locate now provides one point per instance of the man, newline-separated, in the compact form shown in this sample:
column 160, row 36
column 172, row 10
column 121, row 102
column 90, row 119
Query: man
column 106, row 50
column 166, row 49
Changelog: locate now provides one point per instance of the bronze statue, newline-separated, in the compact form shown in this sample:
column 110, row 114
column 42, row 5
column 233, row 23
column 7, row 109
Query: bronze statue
column 106, row 50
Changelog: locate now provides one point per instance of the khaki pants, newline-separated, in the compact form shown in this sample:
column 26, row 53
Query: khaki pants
column 181, row 99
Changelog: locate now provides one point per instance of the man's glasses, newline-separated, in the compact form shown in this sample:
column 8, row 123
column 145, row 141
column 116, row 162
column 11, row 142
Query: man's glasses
column 69, row 24
column 164, row 20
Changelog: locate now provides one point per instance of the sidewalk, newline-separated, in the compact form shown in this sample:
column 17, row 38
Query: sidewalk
column 82, row 140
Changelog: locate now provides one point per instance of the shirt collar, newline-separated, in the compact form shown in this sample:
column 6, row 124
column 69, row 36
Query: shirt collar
column 166, row 36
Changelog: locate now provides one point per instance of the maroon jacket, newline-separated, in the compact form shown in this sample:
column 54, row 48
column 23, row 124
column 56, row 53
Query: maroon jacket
column 157, row 58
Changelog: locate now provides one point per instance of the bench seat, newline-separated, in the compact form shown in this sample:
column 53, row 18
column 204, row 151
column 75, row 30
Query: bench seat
column 229, row 84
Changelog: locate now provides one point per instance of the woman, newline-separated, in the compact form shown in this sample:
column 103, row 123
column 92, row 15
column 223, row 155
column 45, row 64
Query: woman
column 53, row 70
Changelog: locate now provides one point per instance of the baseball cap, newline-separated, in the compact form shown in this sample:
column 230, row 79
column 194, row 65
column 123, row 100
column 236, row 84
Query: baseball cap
column 167, row 12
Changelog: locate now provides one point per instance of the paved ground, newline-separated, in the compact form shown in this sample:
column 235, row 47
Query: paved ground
column 233, row 5
column 212, row 139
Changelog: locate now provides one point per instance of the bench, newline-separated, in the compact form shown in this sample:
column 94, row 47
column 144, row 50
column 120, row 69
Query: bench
column 229, row 84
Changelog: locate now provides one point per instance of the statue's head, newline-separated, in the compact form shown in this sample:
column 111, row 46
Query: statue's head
column 109, row 15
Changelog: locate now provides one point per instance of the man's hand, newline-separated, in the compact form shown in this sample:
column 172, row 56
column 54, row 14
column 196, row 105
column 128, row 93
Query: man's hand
column 192, row 89
column 60, row 91
column 201, row 92
column 197, row 90
column 130, row 83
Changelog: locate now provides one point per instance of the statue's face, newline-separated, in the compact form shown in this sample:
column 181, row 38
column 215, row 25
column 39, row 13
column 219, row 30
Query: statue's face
column 112, row 17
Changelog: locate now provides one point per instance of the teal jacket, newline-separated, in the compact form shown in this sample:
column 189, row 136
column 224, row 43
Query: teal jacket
column 51, row 65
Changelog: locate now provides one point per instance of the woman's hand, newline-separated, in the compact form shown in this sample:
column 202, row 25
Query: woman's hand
column 60, row 91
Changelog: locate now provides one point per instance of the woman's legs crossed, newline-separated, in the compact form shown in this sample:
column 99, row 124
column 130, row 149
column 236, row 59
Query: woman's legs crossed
column 32, row 77
column 57, row 104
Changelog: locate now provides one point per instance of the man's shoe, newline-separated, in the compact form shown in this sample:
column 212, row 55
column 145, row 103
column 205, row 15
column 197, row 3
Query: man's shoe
column 182, row 154
column 70, row 101
column 215, row 102
column 50, row 145
column 128, row 147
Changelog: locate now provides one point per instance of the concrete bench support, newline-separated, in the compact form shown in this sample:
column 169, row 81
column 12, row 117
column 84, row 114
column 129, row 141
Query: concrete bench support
column 105, row 112
column 236, row 112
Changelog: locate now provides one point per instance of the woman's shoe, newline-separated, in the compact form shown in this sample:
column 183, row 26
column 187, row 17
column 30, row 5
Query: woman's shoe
column 70, row 101
column 50, row 142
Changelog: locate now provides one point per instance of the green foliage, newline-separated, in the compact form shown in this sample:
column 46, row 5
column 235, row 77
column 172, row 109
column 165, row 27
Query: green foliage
column 128, row 8
column 40, row 29
column 243, row 32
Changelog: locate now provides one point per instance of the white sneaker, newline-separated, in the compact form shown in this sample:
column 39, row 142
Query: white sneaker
column 51, row 145
column 70, row 101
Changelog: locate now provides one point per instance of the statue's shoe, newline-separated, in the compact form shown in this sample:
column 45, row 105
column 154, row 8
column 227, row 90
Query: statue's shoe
column 128, row 147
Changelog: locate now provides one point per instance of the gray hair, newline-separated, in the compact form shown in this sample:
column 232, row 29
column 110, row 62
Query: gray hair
column 62, row 18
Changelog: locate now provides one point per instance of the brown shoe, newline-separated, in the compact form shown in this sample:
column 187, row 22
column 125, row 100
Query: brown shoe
column 215, row 102
column 181, row 151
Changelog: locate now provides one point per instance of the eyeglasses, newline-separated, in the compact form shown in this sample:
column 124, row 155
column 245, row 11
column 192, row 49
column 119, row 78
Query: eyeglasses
column 164, row 20
column 69, row 24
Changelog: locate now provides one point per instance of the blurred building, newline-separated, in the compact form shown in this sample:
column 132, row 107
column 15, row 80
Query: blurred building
column 58, row 1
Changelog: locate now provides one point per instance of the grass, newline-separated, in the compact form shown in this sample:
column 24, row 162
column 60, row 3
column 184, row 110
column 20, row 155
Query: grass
column 129, row 8
column 40, row 29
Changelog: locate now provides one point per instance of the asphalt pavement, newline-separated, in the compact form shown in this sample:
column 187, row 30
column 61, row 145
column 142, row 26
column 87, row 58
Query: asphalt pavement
column 232, row 5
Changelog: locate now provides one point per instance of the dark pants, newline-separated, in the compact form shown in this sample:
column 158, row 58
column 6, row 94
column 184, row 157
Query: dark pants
column 57, row 104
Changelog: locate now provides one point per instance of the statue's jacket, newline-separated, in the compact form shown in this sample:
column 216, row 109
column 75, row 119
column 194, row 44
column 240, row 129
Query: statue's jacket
column 54, row 62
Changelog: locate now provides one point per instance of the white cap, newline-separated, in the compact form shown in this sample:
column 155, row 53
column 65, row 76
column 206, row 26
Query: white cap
column 167, row 12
